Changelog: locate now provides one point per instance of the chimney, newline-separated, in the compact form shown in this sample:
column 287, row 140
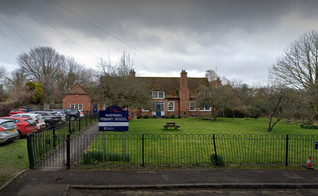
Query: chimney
column 132, row 73
column 184, row 79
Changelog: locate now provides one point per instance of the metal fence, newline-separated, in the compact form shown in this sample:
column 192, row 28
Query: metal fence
column 152, row 149
column 48, row 147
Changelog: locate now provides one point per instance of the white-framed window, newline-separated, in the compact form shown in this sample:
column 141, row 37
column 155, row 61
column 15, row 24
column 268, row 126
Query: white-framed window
column 192, row 105
column 171, row 106
column 205, row 108
column 158, row 94
column 77, row 106
column 145, row 110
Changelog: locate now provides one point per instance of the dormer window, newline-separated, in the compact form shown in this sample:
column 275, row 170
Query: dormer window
column 158, row 94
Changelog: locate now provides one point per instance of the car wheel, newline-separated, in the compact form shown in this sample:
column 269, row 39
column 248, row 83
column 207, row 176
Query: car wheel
column 20, row 135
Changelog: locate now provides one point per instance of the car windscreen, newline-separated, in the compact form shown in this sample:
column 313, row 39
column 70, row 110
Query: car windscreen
column 8, row 124
column 31, row 121
column 39, row 117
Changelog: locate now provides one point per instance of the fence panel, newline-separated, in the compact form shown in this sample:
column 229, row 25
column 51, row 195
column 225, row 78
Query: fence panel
column 156, row 149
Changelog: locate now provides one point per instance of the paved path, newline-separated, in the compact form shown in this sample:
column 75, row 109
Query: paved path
column 58, row 182
column 77, row 145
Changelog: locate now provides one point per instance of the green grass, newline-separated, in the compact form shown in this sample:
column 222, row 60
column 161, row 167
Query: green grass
column 237, row 140
column 13, row 159
column 221, row 126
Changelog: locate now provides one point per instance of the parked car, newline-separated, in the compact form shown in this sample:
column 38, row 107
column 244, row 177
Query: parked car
column 71, row 113
column 18, row 110
column 50, row 119
column 8, row 131
column 57, row 113
column 38, row 118
column 25, row 125
column 81, row 113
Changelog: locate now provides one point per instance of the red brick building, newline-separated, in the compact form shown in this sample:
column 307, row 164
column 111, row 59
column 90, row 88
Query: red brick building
column 170, row 95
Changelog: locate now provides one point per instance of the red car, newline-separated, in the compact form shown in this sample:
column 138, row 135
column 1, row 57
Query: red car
column 17, row 110
column 24, row 125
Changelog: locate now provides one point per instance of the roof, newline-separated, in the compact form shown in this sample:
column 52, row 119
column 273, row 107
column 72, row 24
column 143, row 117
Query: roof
column 171, row 85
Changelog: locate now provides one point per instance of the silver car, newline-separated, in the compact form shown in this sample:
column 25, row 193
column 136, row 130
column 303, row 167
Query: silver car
column 8, row 131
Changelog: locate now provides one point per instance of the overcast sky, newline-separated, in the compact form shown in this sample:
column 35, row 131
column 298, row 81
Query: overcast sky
column 238, row 38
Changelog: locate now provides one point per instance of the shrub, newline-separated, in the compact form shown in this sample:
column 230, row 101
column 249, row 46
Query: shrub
column 179, row 116
column 146, row 116
column 138, row 117
column 166, row 117
column 228, row 113
column 154, row 117
column 240, row 114
column 216, row 160
column 92, row 157
column 254, row 112
column 172, row 116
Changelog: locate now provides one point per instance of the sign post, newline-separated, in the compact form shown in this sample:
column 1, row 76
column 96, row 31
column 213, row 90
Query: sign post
column 113, row 119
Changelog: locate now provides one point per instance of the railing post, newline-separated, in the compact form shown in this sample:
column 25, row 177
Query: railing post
column 54, row 138
column 286, row 162
column 142, row 150
column 86, row 120
column 216, row 155
column 68, row 151
column 30, row 151
column 69, row 126
column 79, row 124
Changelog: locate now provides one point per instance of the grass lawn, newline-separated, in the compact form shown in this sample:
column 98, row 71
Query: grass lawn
column 221, row 126
column 238, row 140
column 13, row 159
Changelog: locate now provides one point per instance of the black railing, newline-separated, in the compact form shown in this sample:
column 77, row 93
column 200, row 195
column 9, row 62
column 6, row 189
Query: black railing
column 151, row 150
column 48, row 146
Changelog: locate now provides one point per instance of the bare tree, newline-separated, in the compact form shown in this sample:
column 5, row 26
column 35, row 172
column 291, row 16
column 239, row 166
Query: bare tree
column 217, row 97
column 119, row 86
column 42, row 64
column 72, row 72
column 298, row 67
column 122, row 67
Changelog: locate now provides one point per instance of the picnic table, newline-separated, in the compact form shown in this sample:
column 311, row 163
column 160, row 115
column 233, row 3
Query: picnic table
column 171, row 124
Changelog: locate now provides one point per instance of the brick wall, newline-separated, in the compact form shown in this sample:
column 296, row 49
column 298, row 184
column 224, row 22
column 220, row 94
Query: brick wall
column 77, row 99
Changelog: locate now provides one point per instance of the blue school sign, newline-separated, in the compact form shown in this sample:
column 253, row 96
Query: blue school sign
column 113, row 119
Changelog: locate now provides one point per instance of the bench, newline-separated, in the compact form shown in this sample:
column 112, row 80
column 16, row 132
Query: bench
column 171, row 124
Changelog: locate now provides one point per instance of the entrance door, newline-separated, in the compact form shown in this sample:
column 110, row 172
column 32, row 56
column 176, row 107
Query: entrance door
column 159, row 108
column 95, row 109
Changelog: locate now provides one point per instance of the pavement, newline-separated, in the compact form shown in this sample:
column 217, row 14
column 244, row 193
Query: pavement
column 60, row 181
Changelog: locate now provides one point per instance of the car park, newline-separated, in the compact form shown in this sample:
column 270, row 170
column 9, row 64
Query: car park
column 25, row 125
column 8, row 131
column 18, row 110
column 50, row 119
column 38, row 118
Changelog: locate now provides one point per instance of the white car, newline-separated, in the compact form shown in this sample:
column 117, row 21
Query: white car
column 38, row 118
column 81, row 113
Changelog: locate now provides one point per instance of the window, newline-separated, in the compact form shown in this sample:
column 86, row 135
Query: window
column 170, row 106
column 77, row 106
column 207, row 108
column 158, row 95
column 145, row 110
column 192, row 106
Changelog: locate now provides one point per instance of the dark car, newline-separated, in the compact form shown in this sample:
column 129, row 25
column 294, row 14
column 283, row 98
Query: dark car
column 71, row 113
column 50, row 118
